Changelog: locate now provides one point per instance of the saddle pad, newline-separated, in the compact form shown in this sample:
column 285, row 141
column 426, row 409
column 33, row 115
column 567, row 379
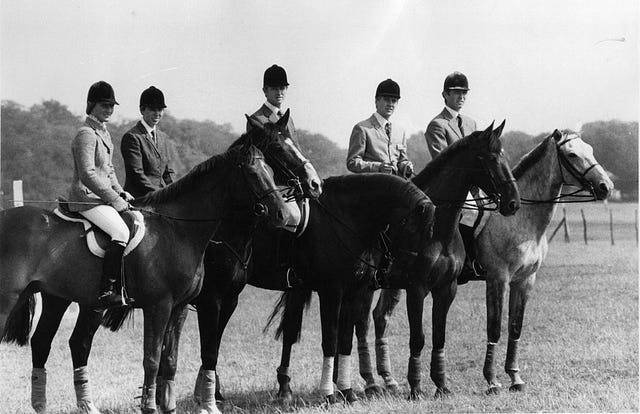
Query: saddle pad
column 137, row 229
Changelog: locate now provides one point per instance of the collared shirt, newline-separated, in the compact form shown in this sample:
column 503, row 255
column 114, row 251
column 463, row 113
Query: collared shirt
column 453, row 112
column 381, row 120
column 149, row 129
column 102, row 125
column 275, row 109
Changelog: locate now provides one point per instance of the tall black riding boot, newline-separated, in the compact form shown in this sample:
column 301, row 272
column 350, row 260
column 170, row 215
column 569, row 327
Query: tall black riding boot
column 471, row 269
column 111, row 271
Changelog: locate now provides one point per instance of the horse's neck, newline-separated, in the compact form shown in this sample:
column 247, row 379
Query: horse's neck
column 448, row 189
column 541, row 182
column 237, row 233
column 196, row 225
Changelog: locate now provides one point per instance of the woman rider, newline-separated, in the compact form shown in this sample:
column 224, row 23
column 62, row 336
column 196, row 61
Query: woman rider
column 95, row 191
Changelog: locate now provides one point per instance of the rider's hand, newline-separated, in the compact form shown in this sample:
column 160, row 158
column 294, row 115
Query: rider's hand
column 408, row 169
column 120, row 205
column 387, row 168
column 127, row 196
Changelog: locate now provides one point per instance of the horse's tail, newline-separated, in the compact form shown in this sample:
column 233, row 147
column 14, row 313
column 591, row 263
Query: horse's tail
column 19, row 322
column 291, row 305
column 114, row 318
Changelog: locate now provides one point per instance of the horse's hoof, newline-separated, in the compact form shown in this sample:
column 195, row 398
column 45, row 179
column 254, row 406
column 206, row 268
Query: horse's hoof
column 348, row 396
column 373, row 391
column 415, row 394
column 442, row 393
column 284, row 397
column 493, row 390
column 219, row 397
column 148, row 411
column 393, row 389
column 517, row 387
column 330, row 399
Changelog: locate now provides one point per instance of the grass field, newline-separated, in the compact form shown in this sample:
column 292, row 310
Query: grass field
column 579, row 348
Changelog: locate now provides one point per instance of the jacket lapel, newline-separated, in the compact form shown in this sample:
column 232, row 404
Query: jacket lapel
column 143, row 131
column 453, row 122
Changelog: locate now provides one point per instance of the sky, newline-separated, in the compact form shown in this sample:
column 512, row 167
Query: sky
column 540, row 65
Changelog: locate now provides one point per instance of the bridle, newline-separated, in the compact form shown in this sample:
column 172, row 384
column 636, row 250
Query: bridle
column 496, row 183
column 580, row 177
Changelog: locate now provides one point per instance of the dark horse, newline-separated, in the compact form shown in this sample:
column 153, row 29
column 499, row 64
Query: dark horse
column 349, row 214
column 40, row 252
column 290, row 168
column 512, row 249
column 475, row 160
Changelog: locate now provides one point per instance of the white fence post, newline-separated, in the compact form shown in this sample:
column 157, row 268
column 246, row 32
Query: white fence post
column 18, row 198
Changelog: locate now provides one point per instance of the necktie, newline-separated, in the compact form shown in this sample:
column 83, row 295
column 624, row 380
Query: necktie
column 460, row 126
column 279, row 114
column 153, row 137
column 387, row 129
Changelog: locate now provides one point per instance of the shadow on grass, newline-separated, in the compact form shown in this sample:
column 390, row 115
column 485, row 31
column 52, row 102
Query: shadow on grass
column 258, row 401
column 263, row 401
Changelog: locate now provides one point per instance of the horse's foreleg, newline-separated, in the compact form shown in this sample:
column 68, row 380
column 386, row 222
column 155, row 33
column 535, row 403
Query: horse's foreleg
column 518, row 296
column 53, row 310
column 80, row 342
column 371, row 389
column 495, row 299
column 156, row 319
column 389, row 299
column 350, row 310
column 330, row 301
column 165, row 379
column 226, row 311
column 415, row 307
column 208, row 323
column 442, row 299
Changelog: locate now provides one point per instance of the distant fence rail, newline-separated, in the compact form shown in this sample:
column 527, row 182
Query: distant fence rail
column 604, row 224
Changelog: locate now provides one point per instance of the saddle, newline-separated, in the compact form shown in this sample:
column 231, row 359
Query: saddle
column 97, row 239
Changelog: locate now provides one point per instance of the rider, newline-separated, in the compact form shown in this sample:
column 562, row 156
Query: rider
column 95, row 192
column 274, row 87
column 447, row 127
column 144, row 148
column 376, row 145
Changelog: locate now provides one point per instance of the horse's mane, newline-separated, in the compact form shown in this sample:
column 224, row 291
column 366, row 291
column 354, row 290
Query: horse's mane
column 530, row 158
column 443, row 159
column 187, row 182
column 388, row 185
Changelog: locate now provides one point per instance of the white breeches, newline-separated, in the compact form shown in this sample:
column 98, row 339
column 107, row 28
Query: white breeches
column 109, row 220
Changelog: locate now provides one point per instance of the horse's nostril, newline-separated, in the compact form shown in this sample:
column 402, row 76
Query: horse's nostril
column 513, row 206
column 280, row 215
column 604, row 188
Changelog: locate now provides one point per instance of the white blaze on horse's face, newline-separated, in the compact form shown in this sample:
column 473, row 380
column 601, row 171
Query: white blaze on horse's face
column 314, row 182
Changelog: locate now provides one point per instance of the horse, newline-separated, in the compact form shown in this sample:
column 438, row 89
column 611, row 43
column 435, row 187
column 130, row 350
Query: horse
column 511, row 249
column 436, row 258
column 290, row 169
column 40, row 252
column 350, row 212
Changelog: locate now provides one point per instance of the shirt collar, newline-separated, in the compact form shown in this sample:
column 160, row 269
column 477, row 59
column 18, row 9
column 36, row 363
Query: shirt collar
column 147, row 127
column 91, row 119
column 381, row 119
column 274, row 109
column 453, row 112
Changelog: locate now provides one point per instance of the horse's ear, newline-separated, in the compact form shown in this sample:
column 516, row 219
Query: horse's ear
column 557, row 135
column 282, row 122
column 254, row 122
column 498, row 131
column 487, row 132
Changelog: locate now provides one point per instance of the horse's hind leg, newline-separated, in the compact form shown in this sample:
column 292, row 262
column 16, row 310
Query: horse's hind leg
column 291, row 325
column 496, row 287
column 53, row 310
column 80, row 343
column 442, row 299
column 371, row 389
column 165, row 380
column 387, row 302
column 518, row 296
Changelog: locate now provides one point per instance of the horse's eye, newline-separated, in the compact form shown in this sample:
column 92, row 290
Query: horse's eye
column 572, row 155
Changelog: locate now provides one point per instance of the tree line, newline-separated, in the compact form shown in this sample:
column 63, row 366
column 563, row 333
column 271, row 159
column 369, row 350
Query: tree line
column 36, row 148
